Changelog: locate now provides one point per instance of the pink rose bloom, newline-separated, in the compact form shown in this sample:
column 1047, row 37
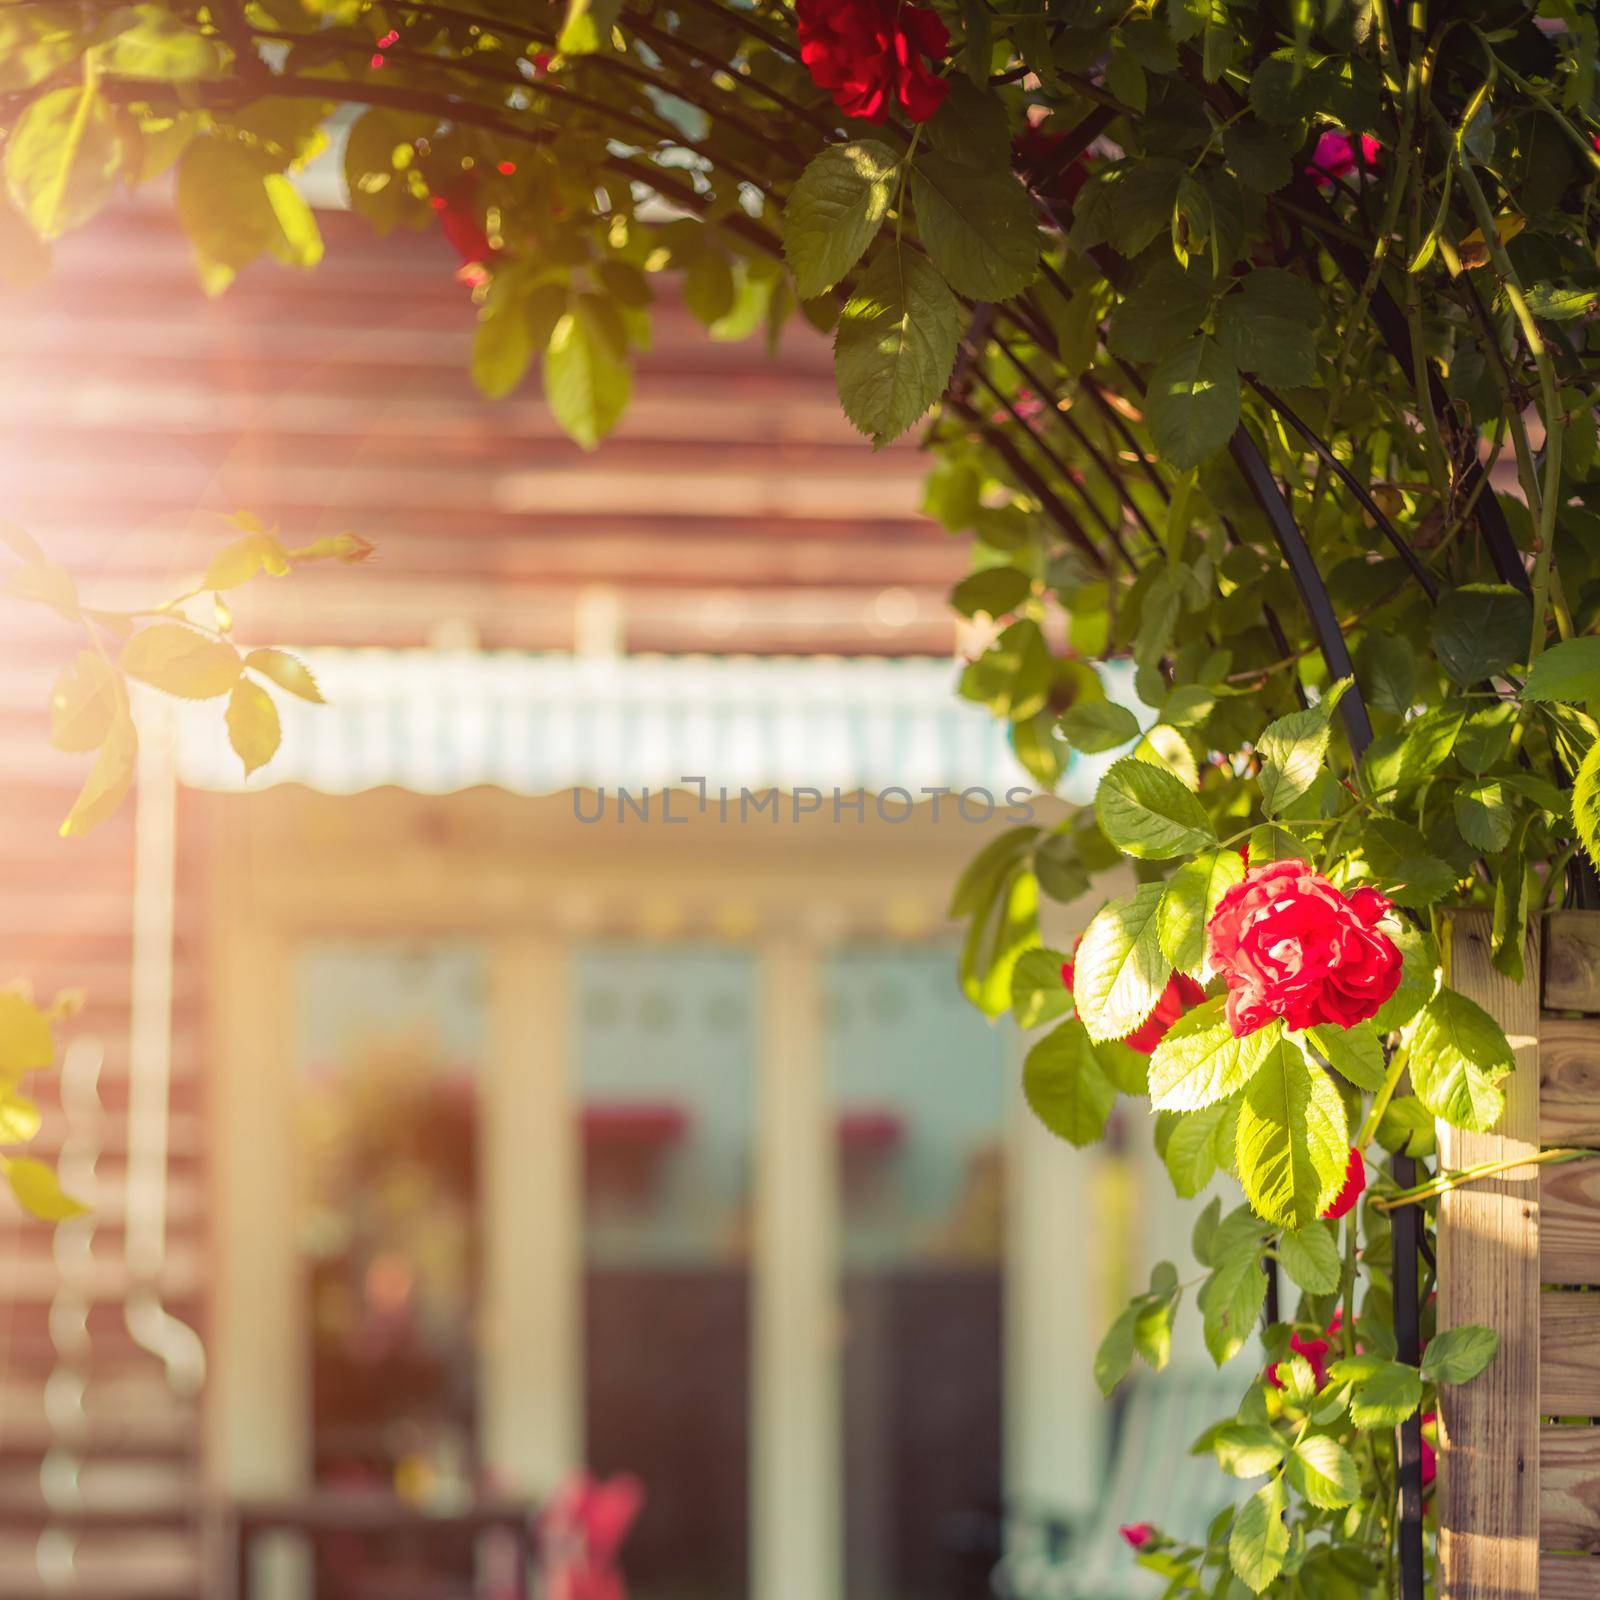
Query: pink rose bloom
column 1335, row 156
column 1137, row 1534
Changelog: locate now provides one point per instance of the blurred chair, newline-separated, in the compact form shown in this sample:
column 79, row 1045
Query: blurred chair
column 1151, row 1478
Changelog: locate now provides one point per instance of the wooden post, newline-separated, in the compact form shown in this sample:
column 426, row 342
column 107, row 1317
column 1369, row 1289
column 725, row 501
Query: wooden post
column 1489, row 1273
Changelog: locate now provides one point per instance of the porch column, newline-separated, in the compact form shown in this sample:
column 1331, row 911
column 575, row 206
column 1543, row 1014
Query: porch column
column 797, row 1466
column 531, row 1419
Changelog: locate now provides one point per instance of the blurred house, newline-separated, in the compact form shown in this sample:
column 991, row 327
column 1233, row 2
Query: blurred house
column 441, row 1138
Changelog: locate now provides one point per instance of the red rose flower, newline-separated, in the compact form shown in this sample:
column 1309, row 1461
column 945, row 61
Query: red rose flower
column 1288, row 944
column 1355, row 1180
column 869, row 53
column 1430, row 1459
column 1179, row 994
column 1137, row 1534
column 1335, row 156
column 1315, row 1350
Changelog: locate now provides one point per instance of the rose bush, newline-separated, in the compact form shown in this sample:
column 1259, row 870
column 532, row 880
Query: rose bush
column 1254, row 349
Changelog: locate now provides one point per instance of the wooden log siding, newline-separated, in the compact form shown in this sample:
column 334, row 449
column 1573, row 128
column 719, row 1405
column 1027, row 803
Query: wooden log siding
column 1519, row 1507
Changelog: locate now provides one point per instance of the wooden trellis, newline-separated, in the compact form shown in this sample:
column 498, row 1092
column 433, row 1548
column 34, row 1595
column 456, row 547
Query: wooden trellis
column 1519, row 1508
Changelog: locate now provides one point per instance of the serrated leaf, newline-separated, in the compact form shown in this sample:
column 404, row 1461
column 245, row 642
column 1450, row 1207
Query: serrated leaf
column 1191, row 896
column 1407, row 1127
column 1146, row 812
column 1119, row 972
column 995, row 591
column 1259, row 157
column 1383, row 1393
column 1458, row 1054
column 1096, row 725
column 1293, row 1142
column 38, row 1190
column 1191, row 1155
column 1356, row 1054
column 1115, row 1353
column 835, row 210
column 1064, row 1086
column 1458, row 1355
column 1419, row 976
column 240, row 561
column 109, row 779
column 26, row 1042
column 1294, row 749
column 1311, row 1258
column 1569, row 671
column 1163, row 309
column 287, row 671
column 1586, row 804
column 1268, row 326
column 978, row 225
column 1231, row 1300
column 1484, row 815
column 181, row 661
column 1038, row 994
column 1259, row 1541
column 1200, row 1060
column 896, row 344
column 253, row 727
column 1387, row 668
column 1321, row 1470
column 1481, row 629
column 86, row 699
column 158, row 45
column 586, row 384
column 62, row 159
column 1247, row 1449
column 1192, row 404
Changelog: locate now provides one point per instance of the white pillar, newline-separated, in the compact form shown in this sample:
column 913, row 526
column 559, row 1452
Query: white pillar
column 797, row 1462
column 1054, row 1316
column 531, row 1385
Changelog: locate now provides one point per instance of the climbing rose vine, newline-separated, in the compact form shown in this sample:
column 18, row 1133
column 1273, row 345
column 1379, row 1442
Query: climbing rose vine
column 1253, row 348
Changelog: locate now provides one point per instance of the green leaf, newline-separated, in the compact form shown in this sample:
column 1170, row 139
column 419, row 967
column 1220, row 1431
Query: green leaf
column 1311, row 1258
column 1294, row 750
column 181, row 661
column 1458, row 1355
column 1586, row 803
column 1419, row 976
column 1321, row 1470
column 1231, row 1300
column 1119, row 972
column 1569, row 671
column 1191, row 896
column 20, row 1119
column 586, row 386
column 1192, row 406
column 63, row 158
column 995, row 591
column 253, row 727
column 1387, row 668
column 1162, row 311
column 38, row 1190
column 1038, row 994
column 1269, row 324
column 108, row 782
column 1259, row 157
column 1115, row 1355
column 978, row 224
column 896, row 344
column 1064, row 1086
column 35, row 42
column 1191, row 1154
column 1481, row 629
column 1146, row 812
column 1293, row 1142
column 1484, row 814
column 1356, row 1054
column 1201, row 1061
column 834, row 212
column 1458, row 1054
column 1259, row 1541
column 1407, row 1127
column 502, row 346
column 1384, row 1393
column 1247, row 1449
column 1095, row 725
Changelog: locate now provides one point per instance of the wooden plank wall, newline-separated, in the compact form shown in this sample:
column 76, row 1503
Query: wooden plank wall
column 1519, row 1511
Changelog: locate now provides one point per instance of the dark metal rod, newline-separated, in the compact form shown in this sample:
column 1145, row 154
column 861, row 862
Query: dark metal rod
column 1407, row 1224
